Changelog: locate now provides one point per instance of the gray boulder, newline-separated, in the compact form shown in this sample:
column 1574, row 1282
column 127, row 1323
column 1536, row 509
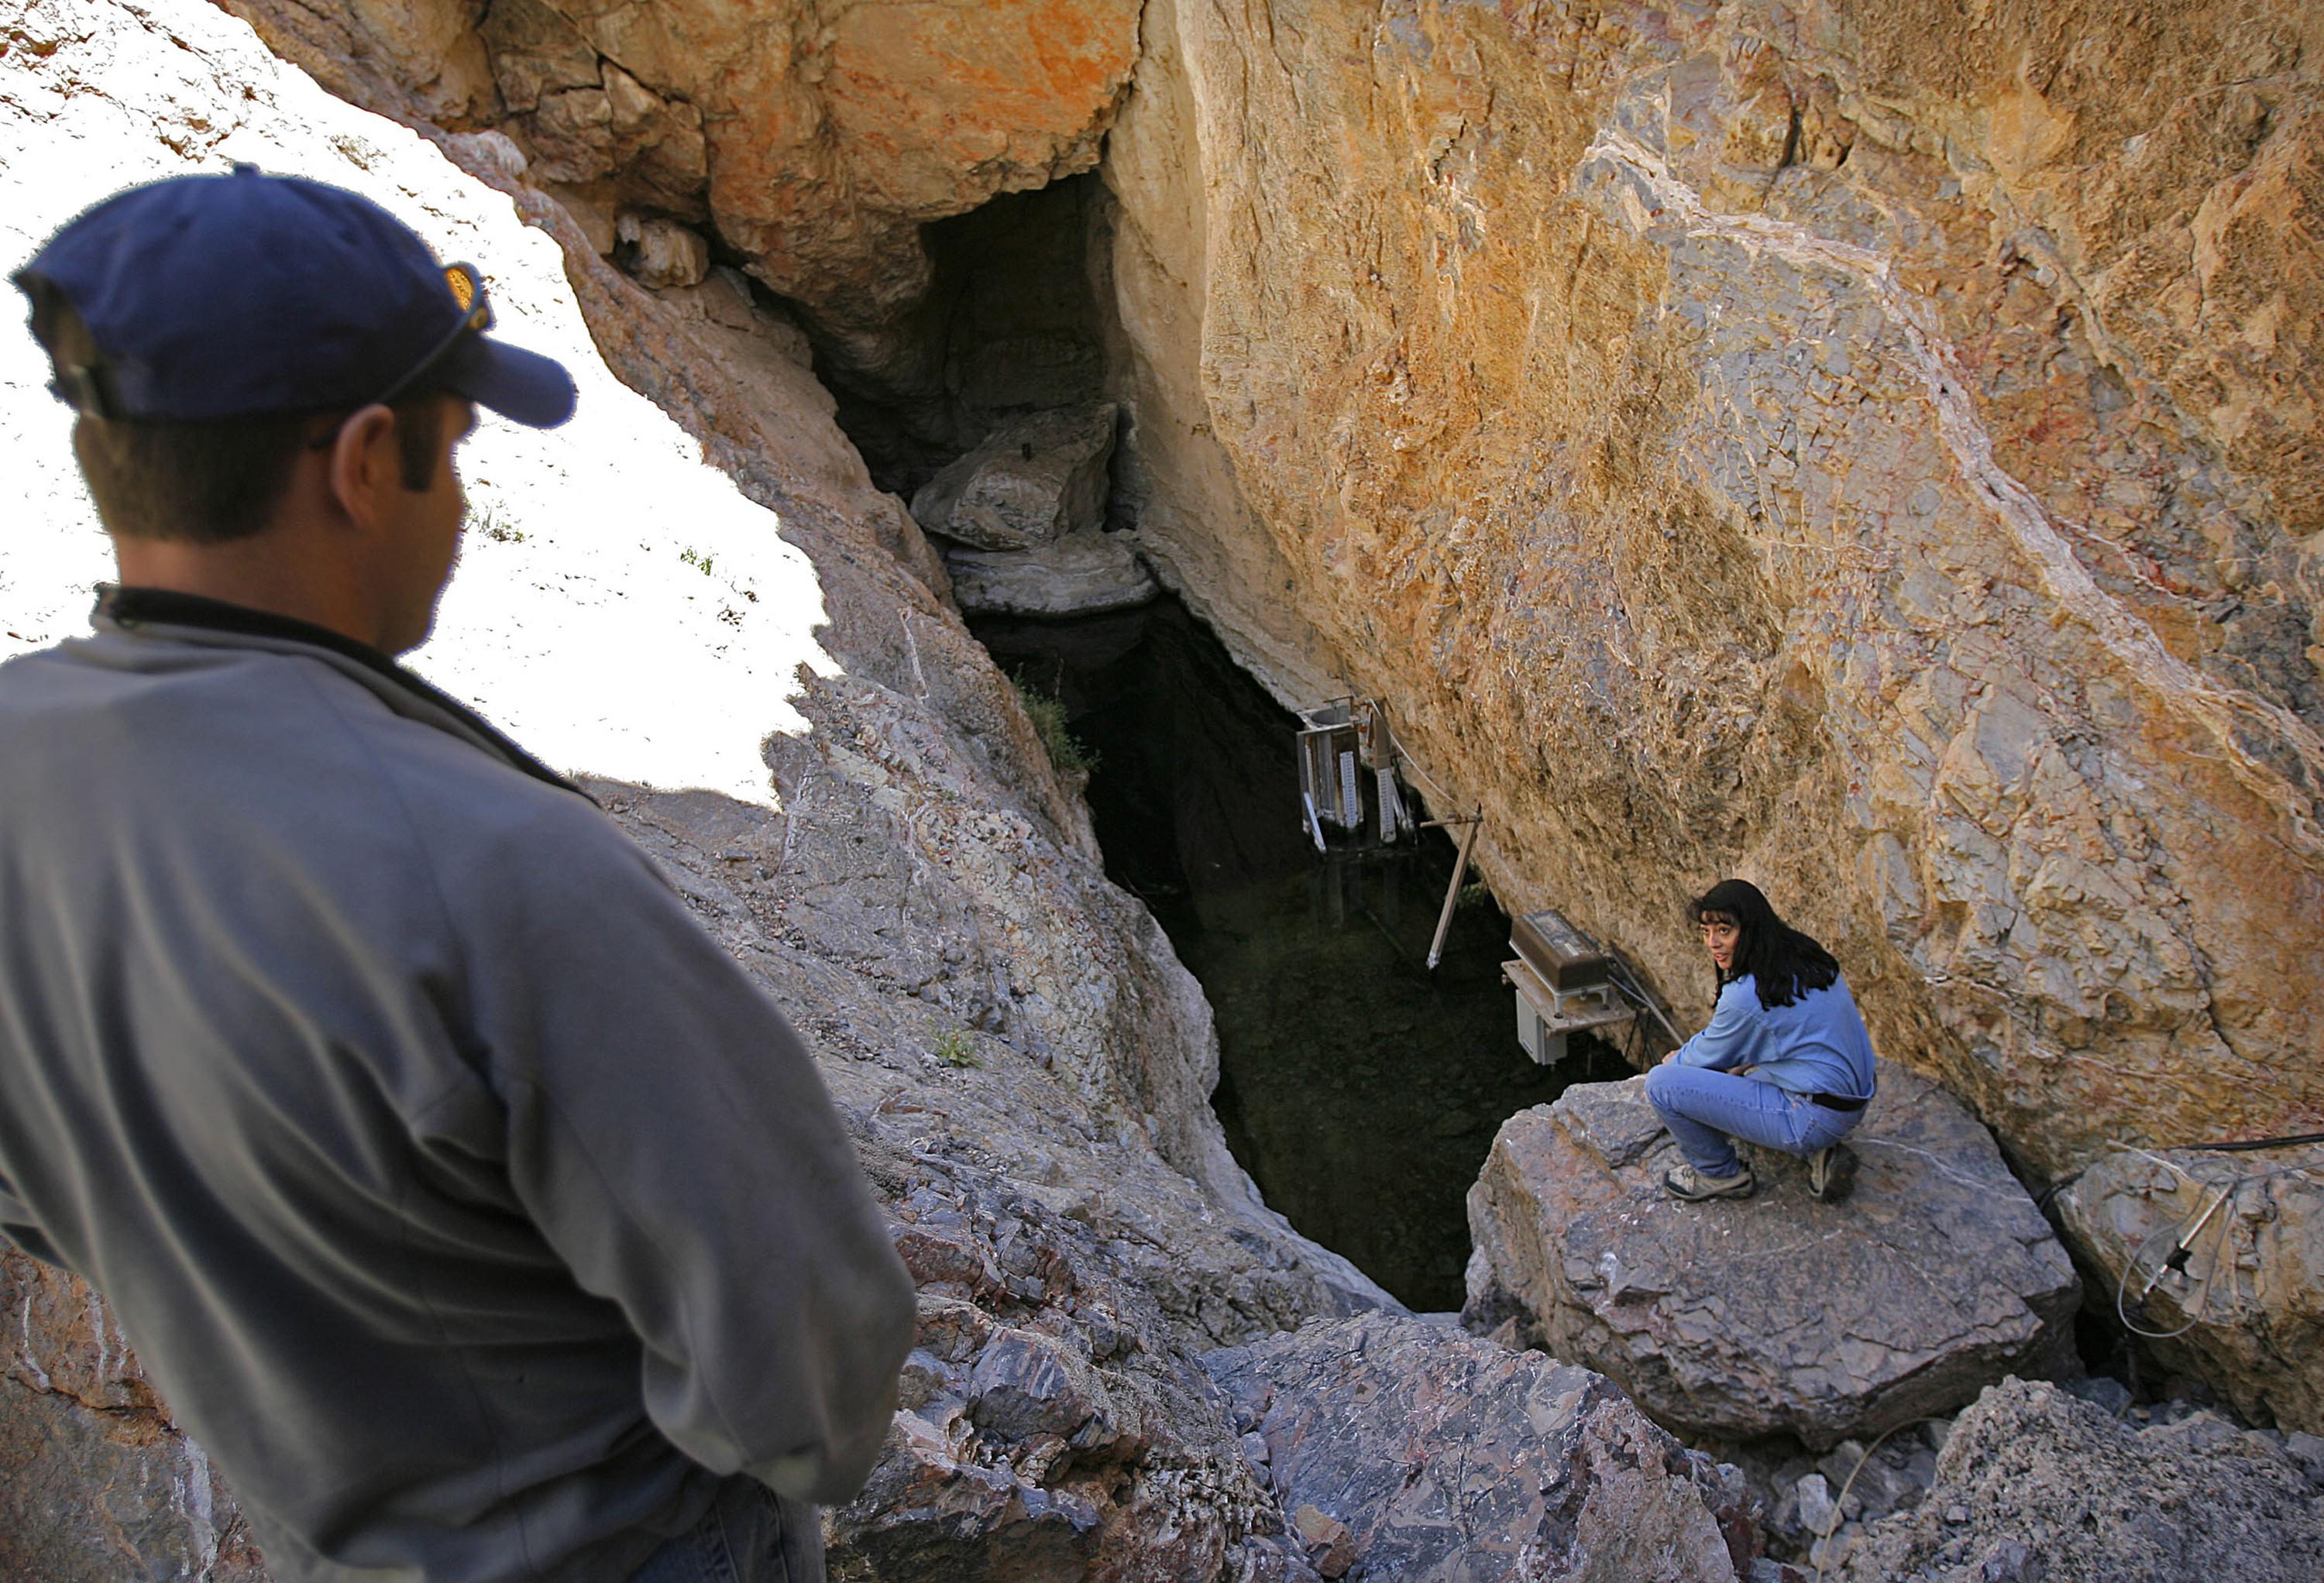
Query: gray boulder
column 2262, row 1341
column 2035, row 1485
column 1082, row 574
column 1030, row 482
column 1410, row 1450
column 1774, row 1313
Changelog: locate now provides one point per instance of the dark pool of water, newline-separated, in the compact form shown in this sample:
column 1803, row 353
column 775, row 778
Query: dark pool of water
column 1360, row 1090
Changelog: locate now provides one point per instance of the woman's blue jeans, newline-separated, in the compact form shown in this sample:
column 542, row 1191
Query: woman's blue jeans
column 751, row 1534
column 1706, row 1109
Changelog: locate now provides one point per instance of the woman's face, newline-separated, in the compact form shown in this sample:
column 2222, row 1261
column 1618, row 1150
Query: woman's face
column 1719, row 937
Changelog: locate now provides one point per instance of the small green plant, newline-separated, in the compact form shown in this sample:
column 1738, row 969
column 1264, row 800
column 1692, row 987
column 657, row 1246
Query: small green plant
column 696, row 559
column 1067, row 752
column 957, row 1047
column 1475, row 895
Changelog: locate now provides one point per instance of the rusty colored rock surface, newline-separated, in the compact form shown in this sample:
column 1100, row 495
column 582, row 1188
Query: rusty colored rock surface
column 1772, row 1314
column 1868, row 449
column 1873, row 449
column 1405, row 1450
column 817, row 134
column 2249, row 1306
column 81, row 1431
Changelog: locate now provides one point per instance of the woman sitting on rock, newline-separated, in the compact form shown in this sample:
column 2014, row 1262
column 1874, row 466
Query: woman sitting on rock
column 1785, row 1063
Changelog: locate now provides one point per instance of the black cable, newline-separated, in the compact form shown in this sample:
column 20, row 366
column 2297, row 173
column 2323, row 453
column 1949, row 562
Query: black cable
column 2297, row 1140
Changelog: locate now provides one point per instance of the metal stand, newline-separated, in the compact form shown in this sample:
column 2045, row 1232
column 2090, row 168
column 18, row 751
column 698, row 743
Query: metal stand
column 1547, row 1016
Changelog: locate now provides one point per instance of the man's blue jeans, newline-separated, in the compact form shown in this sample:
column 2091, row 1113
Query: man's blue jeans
column 751, row 1534
column 1704, row 1109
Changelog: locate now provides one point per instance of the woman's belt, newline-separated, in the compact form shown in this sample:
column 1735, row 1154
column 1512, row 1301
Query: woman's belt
column 1839, row 1101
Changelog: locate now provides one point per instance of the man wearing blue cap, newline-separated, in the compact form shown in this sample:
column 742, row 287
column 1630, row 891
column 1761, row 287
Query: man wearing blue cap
column 473, row 1209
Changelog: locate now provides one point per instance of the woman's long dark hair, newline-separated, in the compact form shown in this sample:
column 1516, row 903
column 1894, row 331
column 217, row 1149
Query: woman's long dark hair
column 1783, row 962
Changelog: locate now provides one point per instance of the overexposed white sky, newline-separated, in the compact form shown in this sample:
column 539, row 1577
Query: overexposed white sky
column 595, row 639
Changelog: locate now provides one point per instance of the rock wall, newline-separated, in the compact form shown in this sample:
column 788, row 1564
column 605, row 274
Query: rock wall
column 1870, row 448
column 2245, row 1309
column 815, row 135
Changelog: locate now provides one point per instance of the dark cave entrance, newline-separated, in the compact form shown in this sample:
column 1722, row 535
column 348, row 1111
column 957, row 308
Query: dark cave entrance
column 1010, row 325
column 1360, row 1090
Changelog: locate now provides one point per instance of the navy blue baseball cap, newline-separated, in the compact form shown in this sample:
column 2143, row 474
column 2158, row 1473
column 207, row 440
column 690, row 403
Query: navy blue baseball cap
column 244, row 295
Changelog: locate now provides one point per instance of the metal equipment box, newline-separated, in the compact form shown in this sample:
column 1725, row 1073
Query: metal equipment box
column 1561, row 955
column 1563, row 984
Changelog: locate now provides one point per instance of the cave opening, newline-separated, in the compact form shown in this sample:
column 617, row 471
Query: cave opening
column 1010, row 325
column 1361, row 1090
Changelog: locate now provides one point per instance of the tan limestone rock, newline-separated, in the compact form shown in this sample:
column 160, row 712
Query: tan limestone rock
column 1872, row 449
column 1798, row 442
column 664, row 253
column 1080, row 574
column 1029, row 482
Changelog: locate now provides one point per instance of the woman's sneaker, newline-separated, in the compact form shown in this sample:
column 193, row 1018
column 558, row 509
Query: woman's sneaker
column 1685, row 1182
column 1831, row 1173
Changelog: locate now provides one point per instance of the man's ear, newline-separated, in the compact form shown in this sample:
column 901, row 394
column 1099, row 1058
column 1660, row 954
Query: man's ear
column 365, row 467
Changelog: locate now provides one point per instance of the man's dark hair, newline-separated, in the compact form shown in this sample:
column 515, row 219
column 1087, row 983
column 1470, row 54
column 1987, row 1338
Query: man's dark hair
column 209, row 482
column 1783, row 962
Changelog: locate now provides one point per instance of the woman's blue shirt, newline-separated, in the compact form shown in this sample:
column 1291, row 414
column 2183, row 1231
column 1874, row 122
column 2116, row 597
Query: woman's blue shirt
column 1815, row 1046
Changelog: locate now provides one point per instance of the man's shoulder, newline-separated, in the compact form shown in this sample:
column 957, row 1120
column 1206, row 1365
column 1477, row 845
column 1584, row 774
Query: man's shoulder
column 269, row 740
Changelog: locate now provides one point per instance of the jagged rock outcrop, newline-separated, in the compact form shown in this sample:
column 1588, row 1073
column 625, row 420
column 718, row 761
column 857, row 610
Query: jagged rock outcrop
column 1409, row 1451
column 1029, row 482
column 2248, row 1306
column 1774, row 1314
column 1869, row 447
column 817, row 136
column 2034, row 1486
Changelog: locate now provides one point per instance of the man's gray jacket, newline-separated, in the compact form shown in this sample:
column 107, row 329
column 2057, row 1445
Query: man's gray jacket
column 466, row 1200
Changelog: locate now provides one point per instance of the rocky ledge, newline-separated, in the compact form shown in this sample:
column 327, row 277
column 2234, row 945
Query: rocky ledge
column 1082, row 574
column 1030, row 482
column 2035, row 1485
column 1407, row 1449
column 1775, row 1314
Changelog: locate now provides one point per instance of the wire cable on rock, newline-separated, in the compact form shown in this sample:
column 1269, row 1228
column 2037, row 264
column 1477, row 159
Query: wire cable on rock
column 1848, row 1483
column 1629, row 987
column 2188, row 1230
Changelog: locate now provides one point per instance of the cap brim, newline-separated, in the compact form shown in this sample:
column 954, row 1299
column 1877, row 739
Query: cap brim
column 523, row 387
